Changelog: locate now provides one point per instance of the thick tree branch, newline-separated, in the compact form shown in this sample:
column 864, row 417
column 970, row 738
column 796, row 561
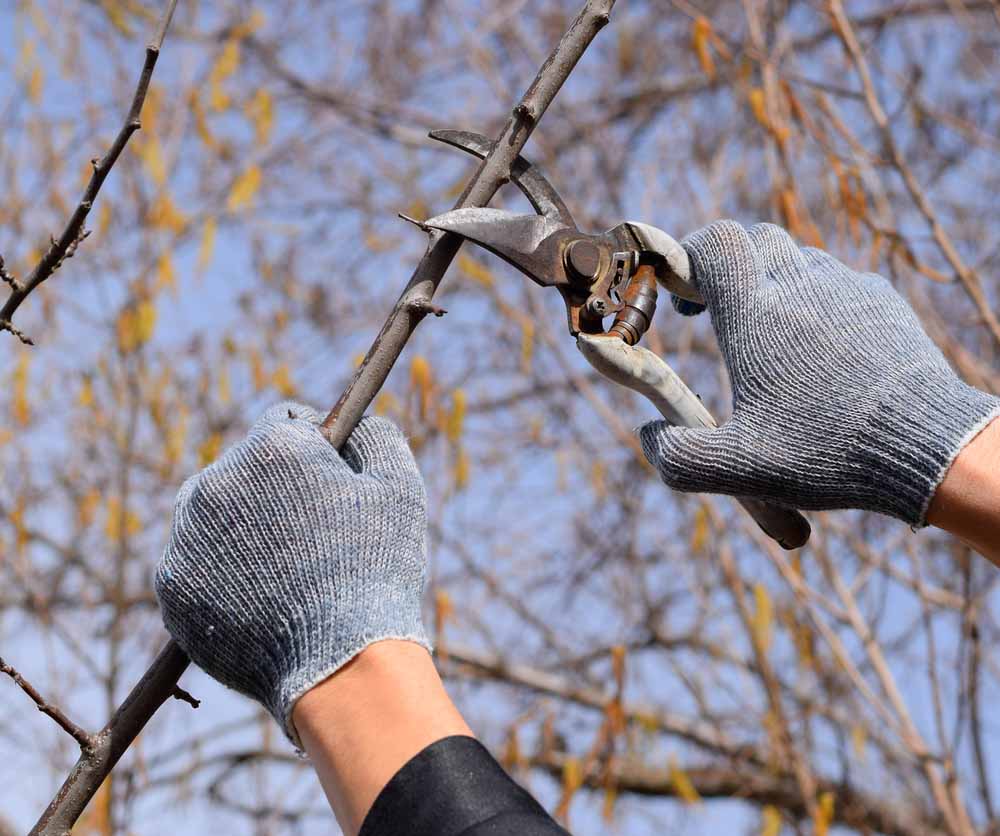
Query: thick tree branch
column 66, row 244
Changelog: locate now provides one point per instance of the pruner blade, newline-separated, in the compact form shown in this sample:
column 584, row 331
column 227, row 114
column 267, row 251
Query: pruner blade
column 531, row 243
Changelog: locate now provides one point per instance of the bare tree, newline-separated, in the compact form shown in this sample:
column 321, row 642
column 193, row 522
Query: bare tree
column 631, row 653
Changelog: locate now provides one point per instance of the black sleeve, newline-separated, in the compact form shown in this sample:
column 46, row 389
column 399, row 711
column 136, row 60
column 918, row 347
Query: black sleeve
column 455, row 788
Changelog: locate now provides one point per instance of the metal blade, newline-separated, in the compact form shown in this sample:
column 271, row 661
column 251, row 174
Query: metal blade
column 528, row 242
column 523, row 174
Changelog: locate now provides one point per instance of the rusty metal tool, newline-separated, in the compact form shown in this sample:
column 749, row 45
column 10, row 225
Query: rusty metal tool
column 614, row 273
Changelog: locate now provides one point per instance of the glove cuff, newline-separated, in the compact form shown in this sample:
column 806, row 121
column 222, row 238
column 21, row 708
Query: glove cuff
column 912, row 442
column 318, row 654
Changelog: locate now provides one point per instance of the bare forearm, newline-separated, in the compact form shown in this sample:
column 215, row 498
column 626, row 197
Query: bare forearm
column 967, row 503
column 360, row 726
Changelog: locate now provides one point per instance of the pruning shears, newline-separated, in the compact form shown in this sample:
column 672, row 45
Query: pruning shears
column 614, row 273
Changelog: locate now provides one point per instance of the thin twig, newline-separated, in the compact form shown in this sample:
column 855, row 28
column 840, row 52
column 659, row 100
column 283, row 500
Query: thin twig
column 66, row 244
column 85, row 740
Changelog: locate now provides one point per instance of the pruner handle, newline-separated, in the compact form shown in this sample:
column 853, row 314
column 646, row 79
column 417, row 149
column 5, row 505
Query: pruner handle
column 646, row 373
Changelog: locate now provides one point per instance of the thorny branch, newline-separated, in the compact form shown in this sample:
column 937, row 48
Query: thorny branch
column 66, row 244
column 160, row 681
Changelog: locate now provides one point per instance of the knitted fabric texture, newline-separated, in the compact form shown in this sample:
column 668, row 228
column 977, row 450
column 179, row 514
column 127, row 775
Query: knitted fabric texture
column 840, row 400
column 287, row 559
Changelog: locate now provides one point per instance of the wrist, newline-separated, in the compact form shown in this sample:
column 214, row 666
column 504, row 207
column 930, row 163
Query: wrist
column 967, row 502
column 361, row 725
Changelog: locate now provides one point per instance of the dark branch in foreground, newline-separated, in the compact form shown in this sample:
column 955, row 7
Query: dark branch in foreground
column 67, row 725
column 160, row 682
column 66, row 244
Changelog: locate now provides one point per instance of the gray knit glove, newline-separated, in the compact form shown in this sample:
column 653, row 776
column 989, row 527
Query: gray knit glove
column 286, row 559
column 840, row 400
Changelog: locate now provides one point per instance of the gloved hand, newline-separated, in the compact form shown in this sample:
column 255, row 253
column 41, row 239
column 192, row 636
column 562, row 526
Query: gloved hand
column 286, row 560
column 840, row 400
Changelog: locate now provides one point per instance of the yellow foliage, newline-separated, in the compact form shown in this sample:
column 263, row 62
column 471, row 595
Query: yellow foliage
column 597, row 479
column 207, row 247
column 120, row 522
column 699, row 531
column 260, row 111
column 225, row 65
column 763, row 616
column 257, row 373
column 36, row 83
column 116, row 12
column 96, row 820
column 135, row 325
column 608, row 807
column 104, row 218
column 386, row 404
column 572, row 780
column 759, row 107
column 770, row 821
column 17, row 522
column 244, row 189
column 859, row 742
column 175, row 436
column 618, row 666
column 166, row 275
column 86, row 396
column 444, row 609
column 151, row 154
column 224, row 391
column 682, row 784
column 461, row 469
column 166, row 215
column 456, row 416
column 474, row 270
column 209, row 449
column 20, row 407
column 422, row 381
column 527, row 344
column 281, row 379
column 86, row 507
column 701, row 32
column 824, row 814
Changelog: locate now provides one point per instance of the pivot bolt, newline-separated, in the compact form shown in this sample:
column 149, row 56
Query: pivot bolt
column 583, row 258
column 597, row 307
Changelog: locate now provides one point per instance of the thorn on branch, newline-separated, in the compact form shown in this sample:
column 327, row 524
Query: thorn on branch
column 422, row 307
column 8, row 277
column 179, row 693
column 7, row 325
column 72, row 729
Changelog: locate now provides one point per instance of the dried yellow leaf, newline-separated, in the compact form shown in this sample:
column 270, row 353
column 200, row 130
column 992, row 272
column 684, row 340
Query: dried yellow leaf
column 386, row 404
column 151, row 154
column 17, row 515
column 759, row 107
column 85, row 398
column 281, row 379
column 824, row 814
column 699, row 531
column 456, row 416
column 144, row 321
column 244, row 189
column 461, row 469
column 474, row 270
column 770, row 821
column 207, row 247
column 859, row 742
column 165, row 215
column 260, row 111
column 422, row 381
column 682, row 784
column 527, row 345
column 763, row 616
column 223, row 389
column 86, row 507
column 20, row 407
column 166, row 275
column 36, row 83
column 701, row 32
column 257, row 373
column 209, row 449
